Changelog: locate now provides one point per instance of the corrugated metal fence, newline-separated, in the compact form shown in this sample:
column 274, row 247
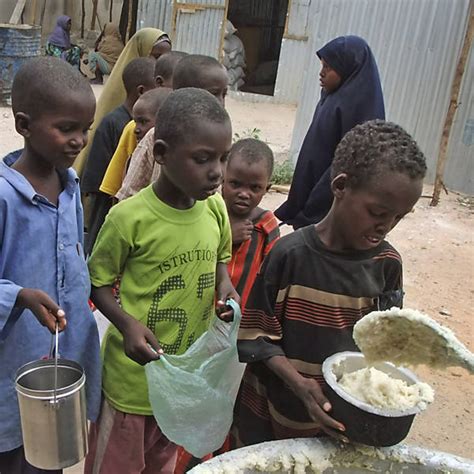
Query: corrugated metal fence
column 417, row 45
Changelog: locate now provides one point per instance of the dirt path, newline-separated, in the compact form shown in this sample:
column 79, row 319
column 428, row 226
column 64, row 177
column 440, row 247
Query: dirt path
column 438, row 252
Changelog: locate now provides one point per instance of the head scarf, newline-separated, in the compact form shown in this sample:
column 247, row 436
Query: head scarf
column 113, row 94
column 358, row 99
column 110, row 45
column 60, row 35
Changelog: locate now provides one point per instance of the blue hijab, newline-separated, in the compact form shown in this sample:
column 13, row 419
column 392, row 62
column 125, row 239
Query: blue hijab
column 358, row 99
column 60, row 36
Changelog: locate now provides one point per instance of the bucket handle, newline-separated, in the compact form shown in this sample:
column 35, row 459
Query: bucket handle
column 54, row 348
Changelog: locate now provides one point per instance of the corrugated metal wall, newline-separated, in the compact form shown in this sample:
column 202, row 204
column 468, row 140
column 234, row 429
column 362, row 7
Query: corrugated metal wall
column 155, row 14
column 459, row 172
column 416, row 44
column 294, row 53
column 199, row 26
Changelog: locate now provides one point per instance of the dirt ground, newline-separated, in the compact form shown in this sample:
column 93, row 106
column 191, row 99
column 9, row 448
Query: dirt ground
column 437, row 246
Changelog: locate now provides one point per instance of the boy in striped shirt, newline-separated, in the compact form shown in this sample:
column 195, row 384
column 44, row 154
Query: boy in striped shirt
column 316, row 283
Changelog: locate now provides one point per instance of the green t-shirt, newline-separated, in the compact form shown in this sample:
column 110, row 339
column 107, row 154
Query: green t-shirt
column 167, row 261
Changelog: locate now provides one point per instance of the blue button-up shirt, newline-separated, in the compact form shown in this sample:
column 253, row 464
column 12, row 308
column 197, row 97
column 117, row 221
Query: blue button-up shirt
column 41, row 247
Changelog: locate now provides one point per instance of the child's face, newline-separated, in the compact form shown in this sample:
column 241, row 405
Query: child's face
column 56, row 136
column 244, row 186
column 329, row 79
column 215, row 81
column 160, row 48
column 364, row 217
column 144, row 118
column 195, row 166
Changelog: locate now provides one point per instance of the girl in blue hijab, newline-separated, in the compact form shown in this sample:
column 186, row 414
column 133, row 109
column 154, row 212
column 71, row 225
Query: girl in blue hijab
column 351, row 94
column 59, row 42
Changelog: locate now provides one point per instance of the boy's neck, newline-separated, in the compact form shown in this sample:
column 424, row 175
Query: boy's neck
column 168, row 193
column 42, row 176
column 129, row 103
column 330, row 235
column 255, row 212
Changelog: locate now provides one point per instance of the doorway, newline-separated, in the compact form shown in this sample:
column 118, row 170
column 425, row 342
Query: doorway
column 259, row 25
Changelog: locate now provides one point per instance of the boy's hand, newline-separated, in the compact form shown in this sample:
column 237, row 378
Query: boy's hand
column 223, row 311
column 47, row 312
column 225, row 291
column 241, row 230
column 318, row 406
column 140, row 343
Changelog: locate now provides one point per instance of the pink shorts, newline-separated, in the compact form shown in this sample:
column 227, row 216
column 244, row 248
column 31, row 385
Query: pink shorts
column 122, row 443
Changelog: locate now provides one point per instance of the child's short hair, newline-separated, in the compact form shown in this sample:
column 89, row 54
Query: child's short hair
column 166, row 64
column 376, row 146
column 177, row 117
column 189, row 70
column 40, row 82
column 139, row 71
column 154, row 98
column 253, row 151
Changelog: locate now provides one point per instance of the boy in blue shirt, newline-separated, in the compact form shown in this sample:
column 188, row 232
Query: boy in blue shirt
column 43, row 273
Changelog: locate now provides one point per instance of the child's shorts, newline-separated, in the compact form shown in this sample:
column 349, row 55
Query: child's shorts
column 122, row 443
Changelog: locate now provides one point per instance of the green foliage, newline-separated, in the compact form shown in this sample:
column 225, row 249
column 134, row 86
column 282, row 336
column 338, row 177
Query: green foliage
column 248, row 133
column 283, row 173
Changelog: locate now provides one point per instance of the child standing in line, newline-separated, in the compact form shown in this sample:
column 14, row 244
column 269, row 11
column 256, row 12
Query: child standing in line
column 144, row 113
column 171, row 244
column 194, row 70
column 351, row 94
column 254, row 230
column 43, row 273
column 316, row 283
column 128, row 143
column 137, row 79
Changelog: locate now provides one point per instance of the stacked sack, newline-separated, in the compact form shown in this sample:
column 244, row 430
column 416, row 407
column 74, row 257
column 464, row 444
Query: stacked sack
column 234, row 57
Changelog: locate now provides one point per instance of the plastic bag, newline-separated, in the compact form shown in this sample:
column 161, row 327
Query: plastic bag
column 193, row 395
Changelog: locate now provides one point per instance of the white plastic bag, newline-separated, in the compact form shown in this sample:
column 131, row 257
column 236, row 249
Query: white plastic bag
column 193, row 395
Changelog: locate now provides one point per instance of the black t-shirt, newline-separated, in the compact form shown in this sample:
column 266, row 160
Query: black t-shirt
column 103, row 147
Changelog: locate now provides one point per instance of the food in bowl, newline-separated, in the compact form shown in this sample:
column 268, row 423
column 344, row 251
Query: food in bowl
column 379, row 389
column 366, row 423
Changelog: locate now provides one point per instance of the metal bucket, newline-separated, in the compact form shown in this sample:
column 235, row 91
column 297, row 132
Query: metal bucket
column 53, row 422
column 18, row 43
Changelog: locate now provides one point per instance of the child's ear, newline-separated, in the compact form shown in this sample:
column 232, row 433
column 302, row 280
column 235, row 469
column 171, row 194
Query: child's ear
column 22, row 124
column 159, row 81
column 339, row 185
column 160, row 149
column 140, row 90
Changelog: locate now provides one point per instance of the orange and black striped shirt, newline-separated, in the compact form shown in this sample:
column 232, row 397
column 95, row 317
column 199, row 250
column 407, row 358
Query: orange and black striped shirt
column 303, row 305
column 247, row 257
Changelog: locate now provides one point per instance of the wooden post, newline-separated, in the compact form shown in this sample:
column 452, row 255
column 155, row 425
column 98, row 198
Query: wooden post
column 110, row 10
column 455, row 88
column 130, row 15
column 94, row 14
column 83, row 17
column 33, row 12
column 18, row 10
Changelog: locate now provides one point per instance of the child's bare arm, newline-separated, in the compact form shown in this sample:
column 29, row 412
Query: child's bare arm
column 47, row 312
column 139, row 342
column 225, row 291
column 310, row 393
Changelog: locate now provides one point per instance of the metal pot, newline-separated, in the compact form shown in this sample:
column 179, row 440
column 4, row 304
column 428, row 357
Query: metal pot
column 365, row 423
column 53, row 412
column 328, row 456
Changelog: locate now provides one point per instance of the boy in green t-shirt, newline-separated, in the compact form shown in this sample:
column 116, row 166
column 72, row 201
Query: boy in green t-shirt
column 170, row 244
